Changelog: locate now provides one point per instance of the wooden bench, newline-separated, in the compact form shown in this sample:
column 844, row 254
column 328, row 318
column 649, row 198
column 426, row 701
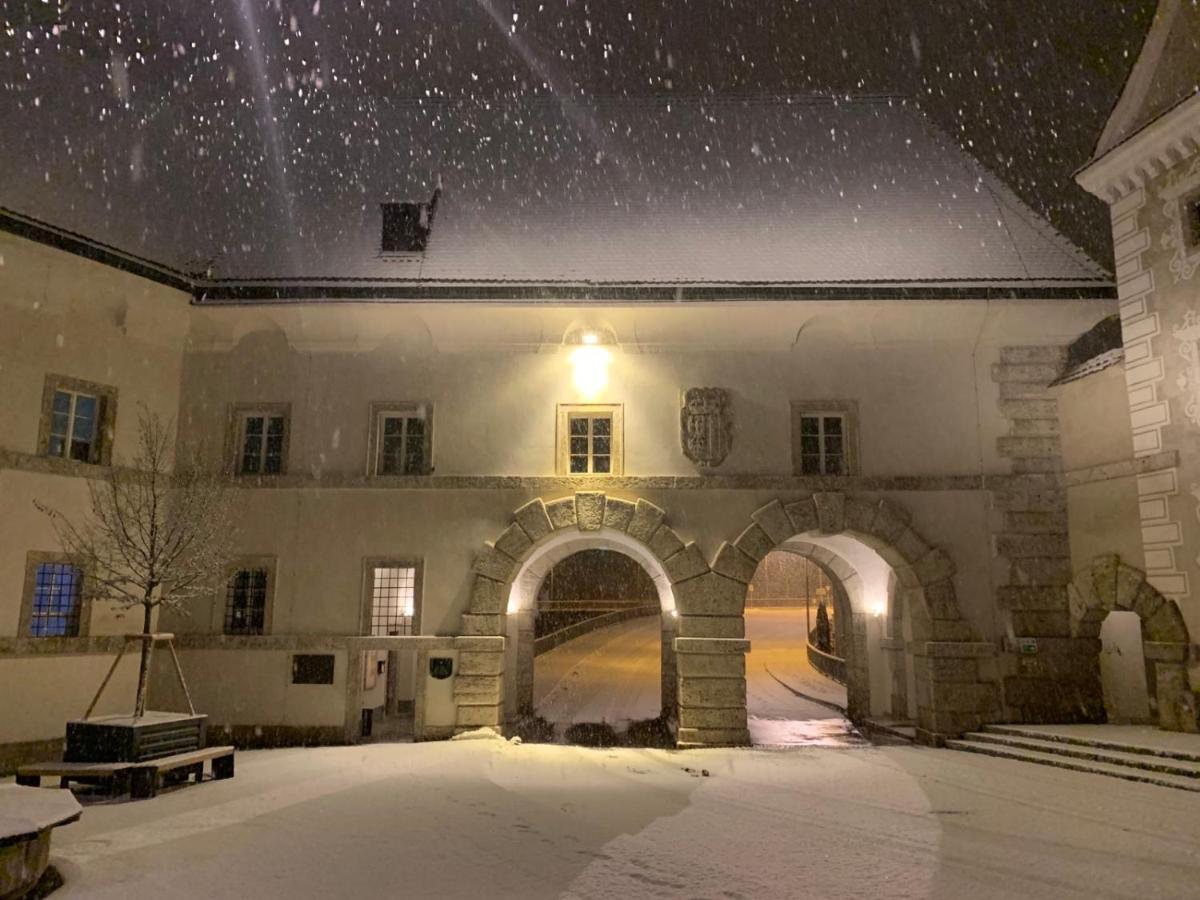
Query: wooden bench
column 116, row 773
column 147, row 776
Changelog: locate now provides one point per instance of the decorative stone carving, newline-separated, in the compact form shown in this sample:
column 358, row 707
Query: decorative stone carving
column 1188, row 335
column 1185, row 260
column 706, row 426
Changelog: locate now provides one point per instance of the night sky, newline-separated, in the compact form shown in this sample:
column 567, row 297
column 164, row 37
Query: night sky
column 1025, row 86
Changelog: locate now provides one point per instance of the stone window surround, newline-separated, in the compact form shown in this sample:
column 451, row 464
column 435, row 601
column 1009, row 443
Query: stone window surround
column 233, row 436
column 369, row 564
column 380, row 408
column 848, row 410
column 33, row 559
column 105, row 428
column 231, row 568
column 562, row 462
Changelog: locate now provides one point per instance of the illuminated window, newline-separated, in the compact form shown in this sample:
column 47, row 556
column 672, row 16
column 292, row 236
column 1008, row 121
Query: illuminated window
column 393, row 590
column 57, row 600
column 590, row 440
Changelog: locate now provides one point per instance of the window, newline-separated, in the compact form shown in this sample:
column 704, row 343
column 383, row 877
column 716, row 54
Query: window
column 246, row 601
column 261, row 439
column 54, row 603
column 590, row 440
column 401, row 438
column 393, row 597
column 824, row 438
column 1191, row 222
column 312, row 668
column 77, row 420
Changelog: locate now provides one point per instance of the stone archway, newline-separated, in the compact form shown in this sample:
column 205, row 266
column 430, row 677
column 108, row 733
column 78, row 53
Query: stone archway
column 710, row 695
column 941, row 650
column 1109, row 585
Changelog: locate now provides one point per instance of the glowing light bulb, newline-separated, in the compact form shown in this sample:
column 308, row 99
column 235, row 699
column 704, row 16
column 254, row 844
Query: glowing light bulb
column 590, row 337
column 591, row 369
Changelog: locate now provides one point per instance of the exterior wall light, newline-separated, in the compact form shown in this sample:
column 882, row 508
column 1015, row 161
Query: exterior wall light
column 878, row 608
column 590, row 358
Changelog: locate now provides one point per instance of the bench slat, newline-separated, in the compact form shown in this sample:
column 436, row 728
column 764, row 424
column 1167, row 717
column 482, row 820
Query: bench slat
column 94, row 770
column 184, row 759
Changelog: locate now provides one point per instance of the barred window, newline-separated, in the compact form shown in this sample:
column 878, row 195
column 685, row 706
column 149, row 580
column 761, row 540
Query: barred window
column 393, row 599
column 56, row 601
column 246, row 601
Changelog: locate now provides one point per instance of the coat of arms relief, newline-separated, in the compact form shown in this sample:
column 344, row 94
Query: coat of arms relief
column 706, row 426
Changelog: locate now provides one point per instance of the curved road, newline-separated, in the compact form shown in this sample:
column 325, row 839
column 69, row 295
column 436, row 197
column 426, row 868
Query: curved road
column 613, row 675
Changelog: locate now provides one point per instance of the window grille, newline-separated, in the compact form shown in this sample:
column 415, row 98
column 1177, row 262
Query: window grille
column 57, row 592
column 393, row 599
column 246, row 602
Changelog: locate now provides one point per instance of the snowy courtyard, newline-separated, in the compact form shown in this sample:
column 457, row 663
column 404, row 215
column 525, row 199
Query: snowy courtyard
column 489, row 818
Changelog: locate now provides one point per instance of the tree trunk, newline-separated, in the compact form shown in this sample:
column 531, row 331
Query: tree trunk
column 139, row 707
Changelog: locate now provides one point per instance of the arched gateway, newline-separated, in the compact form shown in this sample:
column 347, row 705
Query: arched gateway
column 941, row 653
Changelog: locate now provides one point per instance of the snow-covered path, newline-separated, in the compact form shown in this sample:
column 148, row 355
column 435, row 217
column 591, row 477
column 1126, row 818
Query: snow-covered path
column 612, row 675
column 487, row 818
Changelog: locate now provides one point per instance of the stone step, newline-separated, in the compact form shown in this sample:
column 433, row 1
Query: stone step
column 1035, row 733
column 900, row 731
column 1144, row 761
column 1111, row 770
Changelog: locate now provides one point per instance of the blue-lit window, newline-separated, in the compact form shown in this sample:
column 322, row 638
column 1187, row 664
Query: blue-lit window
column 57, row 592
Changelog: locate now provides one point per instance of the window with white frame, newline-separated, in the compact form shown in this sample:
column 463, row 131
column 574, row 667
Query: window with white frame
column 824, row 438
column 261, row 441
column 393, row 598
column 76, row 419
column 400, row 438
column 590, row 440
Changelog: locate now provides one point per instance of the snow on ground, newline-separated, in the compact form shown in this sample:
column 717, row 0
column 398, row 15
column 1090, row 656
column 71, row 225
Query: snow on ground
column 613, row 674
column 492, row 819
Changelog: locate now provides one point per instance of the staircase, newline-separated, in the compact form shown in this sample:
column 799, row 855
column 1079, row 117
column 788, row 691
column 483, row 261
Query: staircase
column 1164, row 766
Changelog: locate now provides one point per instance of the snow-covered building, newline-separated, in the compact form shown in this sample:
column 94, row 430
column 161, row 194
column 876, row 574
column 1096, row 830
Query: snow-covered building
column 689, row 330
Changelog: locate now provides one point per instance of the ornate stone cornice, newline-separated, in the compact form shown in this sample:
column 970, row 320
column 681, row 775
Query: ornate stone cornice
column 1161, row 145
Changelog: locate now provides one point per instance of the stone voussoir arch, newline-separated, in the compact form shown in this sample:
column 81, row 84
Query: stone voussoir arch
column 480, row 683
column 1109, row 585
column 944, row 650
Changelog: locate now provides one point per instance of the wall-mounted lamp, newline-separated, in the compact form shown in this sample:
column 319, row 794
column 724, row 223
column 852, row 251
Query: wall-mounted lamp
column 878, row 608
column 590, row 359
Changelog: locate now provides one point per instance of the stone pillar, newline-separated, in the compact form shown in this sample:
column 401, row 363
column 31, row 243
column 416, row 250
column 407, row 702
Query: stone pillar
column 479, row 683
column 712, row 691
column 670, row 674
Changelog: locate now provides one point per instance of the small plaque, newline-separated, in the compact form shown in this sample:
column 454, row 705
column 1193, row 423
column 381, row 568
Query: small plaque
column 441, row 667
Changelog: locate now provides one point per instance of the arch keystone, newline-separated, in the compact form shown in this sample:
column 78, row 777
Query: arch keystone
column 617, row 513
column 687, row 563
column 589, row 510
column 1104, row 577
column 665, row 543
column 831, row 512
column 562, row 512
column 773, row 519
column 533, row 518
column 646, row 519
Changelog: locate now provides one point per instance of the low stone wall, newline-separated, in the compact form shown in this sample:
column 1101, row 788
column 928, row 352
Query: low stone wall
column 826, row 663
column 579, row 629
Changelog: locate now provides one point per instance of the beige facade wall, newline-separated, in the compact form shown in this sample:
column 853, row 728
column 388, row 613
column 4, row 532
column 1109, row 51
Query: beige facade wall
column 68, row 316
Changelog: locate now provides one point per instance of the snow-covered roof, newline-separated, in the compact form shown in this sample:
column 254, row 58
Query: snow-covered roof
column 1167, row 72
column 779, row 190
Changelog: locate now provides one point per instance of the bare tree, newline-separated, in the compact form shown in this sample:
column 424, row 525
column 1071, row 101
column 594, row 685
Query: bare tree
column 152, row 537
